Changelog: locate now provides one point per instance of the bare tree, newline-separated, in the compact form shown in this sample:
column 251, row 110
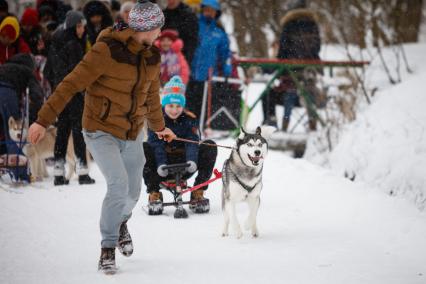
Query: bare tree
column 251, row 18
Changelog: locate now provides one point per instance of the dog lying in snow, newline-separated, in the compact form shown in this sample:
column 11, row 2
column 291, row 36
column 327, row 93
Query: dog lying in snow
column 242, row 178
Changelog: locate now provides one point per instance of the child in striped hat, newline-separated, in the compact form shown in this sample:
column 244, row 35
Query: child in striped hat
column 159, row 153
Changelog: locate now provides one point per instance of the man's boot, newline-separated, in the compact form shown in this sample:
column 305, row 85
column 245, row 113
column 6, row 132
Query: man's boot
column 59, row 172
column 85, row 179
column 125, row 243
column 83, row 173
column 60, row 180
column 107, row 261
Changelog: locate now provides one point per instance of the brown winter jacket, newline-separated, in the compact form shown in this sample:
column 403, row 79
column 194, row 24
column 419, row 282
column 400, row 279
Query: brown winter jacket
column 120, row 92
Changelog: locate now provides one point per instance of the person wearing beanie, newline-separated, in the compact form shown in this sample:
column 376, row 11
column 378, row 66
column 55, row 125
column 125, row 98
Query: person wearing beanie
column 172, row 60
column 212, row 52
column 159, row 154
column 57, row 7
column 11, row 42
column 98, row 17
column 181, row 18
column 120, row 74
column 65, row 52
column 32, row 32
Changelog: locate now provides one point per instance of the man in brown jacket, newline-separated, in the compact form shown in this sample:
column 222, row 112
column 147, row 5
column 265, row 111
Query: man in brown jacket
column 121, row 77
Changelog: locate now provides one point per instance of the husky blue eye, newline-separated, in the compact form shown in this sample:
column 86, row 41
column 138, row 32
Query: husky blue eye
column 249, row 144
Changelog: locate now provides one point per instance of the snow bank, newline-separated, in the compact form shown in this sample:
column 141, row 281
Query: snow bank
column 386, row 145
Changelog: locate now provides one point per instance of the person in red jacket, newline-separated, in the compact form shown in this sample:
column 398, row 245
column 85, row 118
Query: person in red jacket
column 173, row 61
column 10, row 41
column 32, row 32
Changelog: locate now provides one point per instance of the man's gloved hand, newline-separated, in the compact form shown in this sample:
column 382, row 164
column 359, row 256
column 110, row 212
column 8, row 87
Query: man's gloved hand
column 162, row 172
column 192, row 167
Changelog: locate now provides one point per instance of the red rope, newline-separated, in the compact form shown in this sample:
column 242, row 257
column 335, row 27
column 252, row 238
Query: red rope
column 217, row 174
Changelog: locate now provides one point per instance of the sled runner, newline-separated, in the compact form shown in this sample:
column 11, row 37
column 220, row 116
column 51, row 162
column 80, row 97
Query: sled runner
column 14, row 168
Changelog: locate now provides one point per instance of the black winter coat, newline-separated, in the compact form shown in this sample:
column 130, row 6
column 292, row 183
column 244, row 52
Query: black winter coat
column 300, row 38
column 18, row 72
column 184, row 20
column 65, row 52
column 185, row 126
column 91, row 9
column 32, row 40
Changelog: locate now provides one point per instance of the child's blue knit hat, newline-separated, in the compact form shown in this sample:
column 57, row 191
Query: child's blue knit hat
column 174, row 92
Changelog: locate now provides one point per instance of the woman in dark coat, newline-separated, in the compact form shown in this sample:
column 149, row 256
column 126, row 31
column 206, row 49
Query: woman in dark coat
column 66, row 51
column 98, row 18
column 300, row 39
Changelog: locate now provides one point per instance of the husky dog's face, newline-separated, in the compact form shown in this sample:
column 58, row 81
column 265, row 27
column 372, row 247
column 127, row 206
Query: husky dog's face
column 15, row 130
column 252, row 148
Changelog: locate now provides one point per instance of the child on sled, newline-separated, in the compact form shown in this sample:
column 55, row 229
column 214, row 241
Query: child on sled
column 159, row 153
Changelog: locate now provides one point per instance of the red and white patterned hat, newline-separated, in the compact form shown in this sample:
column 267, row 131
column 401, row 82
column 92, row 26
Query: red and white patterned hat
column 145, row 16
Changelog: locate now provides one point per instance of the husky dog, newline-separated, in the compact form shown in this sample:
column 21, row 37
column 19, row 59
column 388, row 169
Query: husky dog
column 37, row 154
column 242, row 179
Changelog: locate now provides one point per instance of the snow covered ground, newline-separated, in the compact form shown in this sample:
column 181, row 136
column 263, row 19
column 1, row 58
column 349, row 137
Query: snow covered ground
column 315, row 226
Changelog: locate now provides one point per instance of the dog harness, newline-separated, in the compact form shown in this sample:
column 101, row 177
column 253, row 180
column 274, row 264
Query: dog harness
column 245, row 186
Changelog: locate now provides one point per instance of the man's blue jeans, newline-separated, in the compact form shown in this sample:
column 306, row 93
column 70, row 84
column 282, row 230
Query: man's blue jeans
column 121, row 162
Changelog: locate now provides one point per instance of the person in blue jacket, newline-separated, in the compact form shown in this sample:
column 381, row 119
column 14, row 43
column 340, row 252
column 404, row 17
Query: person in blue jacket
column 159, row 153
column 212, row 52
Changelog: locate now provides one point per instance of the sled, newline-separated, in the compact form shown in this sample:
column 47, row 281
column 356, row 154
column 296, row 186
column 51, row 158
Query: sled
column 13, row 162
column 178, row 187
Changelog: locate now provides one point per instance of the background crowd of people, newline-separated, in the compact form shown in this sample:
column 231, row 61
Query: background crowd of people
column 44, row 44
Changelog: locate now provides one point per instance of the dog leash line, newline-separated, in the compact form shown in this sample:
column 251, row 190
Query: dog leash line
column 203, row 143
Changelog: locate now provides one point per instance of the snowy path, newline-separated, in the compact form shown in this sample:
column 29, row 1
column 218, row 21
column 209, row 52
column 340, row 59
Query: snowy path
column 315, row 228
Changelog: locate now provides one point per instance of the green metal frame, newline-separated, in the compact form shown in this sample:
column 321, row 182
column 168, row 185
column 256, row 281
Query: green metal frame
column 289, row 66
